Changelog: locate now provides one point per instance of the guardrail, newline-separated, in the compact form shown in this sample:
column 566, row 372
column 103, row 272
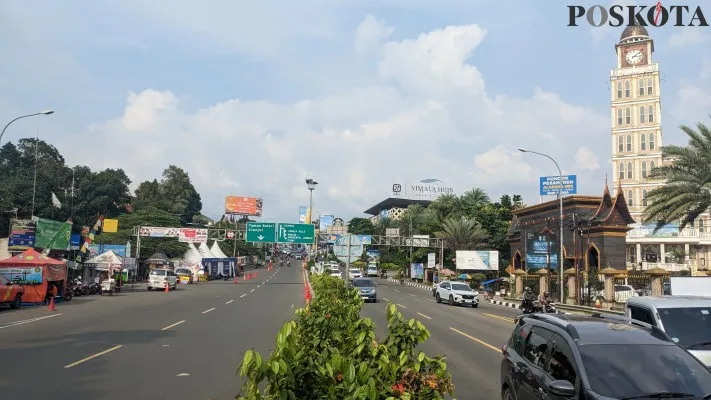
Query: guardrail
column 575, row 308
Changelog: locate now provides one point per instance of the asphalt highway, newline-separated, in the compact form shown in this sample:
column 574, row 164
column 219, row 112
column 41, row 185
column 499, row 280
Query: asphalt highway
column 469, row 338
column 186, row 344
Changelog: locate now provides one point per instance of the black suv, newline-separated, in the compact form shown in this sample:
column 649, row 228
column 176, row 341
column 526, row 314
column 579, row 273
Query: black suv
column 601, row 357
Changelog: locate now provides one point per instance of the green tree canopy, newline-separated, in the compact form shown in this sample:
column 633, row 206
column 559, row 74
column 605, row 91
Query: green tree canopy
column 687, row 191
column 175, row 194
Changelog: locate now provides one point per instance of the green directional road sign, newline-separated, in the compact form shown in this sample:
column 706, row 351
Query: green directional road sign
column 262, row 232
column 295, row 233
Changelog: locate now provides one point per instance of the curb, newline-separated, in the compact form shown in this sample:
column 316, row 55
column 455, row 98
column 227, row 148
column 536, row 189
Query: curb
column 417, row 285
column 502, row 303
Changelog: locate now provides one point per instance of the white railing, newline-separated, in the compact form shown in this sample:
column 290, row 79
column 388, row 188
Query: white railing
column 684, row 233
column 671, row 267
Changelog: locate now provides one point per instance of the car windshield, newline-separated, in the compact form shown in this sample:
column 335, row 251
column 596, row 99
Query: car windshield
column 690, row 326
column 623, row 370
column 182, row 271
column 461, row 286
column 355, row 271
column 363, row 283
column 372, row 268
column 158, row 272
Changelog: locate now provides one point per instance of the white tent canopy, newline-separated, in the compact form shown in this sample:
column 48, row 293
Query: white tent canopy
column 107, row 261
column 191, row 259
column 205, row 251
column 217, row 251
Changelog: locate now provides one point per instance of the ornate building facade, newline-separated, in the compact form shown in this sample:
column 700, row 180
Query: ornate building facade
column 636, row 149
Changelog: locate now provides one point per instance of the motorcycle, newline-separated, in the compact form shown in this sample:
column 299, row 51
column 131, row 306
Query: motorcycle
column 68, row 293
column 530, row 307
column 384, row 275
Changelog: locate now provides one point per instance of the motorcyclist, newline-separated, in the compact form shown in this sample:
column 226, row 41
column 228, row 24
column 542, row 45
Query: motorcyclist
column 544, row 300
column 528, row 295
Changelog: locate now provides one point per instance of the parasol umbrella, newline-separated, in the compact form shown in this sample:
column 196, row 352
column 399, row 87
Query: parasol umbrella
column 464, row 277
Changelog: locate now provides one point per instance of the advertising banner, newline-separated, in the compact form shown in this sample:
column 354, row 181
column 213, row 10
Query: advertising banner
column 373, row 254
column 75, row 241
column 366, row 239
column 22, row 234
column 550, row 185
column 53, row 235
column 477, row 260
column 23, row 276
column 417, row 271
column 325, row 221
column 303, row 212
column 110, row 226
column 249, row 206
column 189, row 235
column 426, row 189
column 539, row 248
column 159, row 231
column 431, row 260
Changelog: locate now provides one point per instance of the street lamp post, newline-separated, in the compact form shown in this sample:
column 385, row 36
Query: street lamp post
column 45, row 112
column 311, row 184
column 560, row 204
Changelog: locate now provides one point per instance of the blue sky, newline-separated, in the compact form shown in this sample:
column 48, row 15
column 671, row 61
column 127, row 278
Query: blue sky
column 252, row 98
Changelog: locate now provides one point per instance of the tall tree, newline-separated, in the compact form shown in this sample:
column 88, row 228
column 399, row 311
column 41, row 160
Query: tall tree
column 361, row 226
column 175, row 194
column 686, row 193
column 462, row 234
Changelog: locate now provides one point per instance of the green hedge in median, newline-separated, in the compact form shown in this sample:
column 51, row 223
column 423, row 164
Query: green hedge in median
column 329, row 352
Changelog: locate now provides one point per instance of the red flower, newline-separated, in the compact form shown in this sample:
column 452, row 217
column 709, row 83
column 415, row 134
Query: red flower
column 399, row 388
column 339, row 377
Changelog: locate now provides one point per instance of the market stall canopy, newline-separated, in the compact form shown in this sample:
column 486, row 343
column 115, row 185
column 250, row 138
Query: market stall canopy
column 205, row 251
column 158, row 258
column 106, row 261
column 29, row 258
column 217, row 251
column 446, row 272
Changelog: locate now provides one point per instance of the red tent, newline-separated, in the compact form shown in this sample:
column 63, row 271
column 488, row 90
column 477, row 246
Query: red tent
column 33, row 271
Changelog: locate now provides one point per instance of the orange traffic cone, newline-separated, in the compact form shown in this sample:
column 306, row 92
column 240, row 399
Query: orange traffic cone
column 249, row 276
column 236, row 280
column 51, row 304
column 167, row 288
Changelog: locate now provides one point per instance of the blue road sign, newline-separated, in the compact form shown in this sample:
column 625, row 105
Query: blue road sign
column 550, row 185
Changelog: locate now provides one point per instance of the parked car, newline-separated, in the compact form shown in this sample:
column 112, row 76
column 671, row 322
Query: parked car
column 597, row 357
column 158, row 277
column 11, row 293
column 456, row 293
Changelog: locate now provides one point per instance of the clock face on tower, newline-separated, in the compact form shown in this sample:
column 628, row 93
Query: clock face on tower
column 634, row 57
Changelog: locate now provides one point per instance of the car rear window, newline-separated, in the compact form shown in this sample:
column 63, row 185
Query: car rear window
column 158, row 272
column 183, row 271
column 363, row 283
column 620, row 371
column 690, row 326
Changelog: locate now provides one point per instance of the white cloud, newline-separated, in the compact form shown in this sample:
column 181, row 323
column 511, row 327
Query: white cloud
column 694, row 102
column 586, row 160
column 370, row 34
column 688, row 36
column 427, row 114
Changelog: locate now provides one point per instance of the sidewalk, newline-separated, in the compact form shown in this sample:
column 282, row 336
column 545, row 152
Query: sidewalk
column 413, row 284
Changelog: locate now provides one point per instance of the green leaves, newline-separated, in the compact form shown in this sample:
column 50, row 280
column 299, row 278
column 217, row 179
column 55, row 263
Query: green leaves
column 329, row 352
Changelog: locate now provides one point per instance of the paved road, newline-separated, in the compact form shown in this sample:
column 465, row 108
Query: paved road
column 470, row 338
column 186, row 344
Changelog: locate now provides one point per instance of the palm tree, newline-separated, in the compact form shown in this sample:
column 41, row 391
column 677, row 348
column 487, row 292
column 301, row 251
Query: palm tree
column 462, row 234
column 474, row 199
column 446, row 206
column 687, row 192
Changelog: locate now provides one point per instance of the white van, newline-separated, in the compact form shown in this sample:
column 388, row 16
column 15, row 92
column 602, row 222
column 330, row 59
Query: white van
column 686, row 319
column 158, row 277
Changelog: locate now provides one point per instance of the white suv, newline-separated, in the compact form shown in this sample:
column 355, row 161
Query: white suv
column 456, row 293
column 158, row 277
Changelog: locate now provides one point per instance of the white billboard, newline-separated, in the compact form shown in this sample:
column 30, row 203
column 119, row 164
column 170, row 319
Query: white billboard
column 477, row 260
column 426, row 189
column 431, row 260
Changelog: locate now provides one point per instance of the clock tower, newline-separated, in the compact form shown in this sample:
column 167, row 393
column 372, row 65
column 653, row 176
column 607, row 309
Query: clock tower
column 636, row 118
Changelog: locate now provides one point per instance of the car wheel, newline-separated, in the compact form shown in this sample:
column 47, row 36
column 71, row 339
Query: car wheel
column 506, row 394
column 437, row 298
column 475, row 305
column 150, row 288
column 17, row 303
column 451, row 300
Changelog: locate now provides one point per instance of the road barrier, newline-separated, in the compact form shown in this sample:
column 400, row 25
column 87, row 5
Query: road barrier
column 515, row 303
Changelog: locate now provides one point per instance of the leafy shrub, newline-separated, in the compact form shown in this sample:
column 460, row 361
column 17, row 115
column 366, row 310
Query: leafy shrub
column 358, row 264
column 390, row 266
column 329, row 352
column 311, row 263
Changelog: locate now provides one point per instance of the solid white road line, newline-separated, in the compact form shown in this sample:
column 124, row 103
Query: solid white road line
column 243, row 295
column 207, row 311
column 251, row 291
column 229, row 302
column 91, row 357
column 400, row 305
column 27, row 321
